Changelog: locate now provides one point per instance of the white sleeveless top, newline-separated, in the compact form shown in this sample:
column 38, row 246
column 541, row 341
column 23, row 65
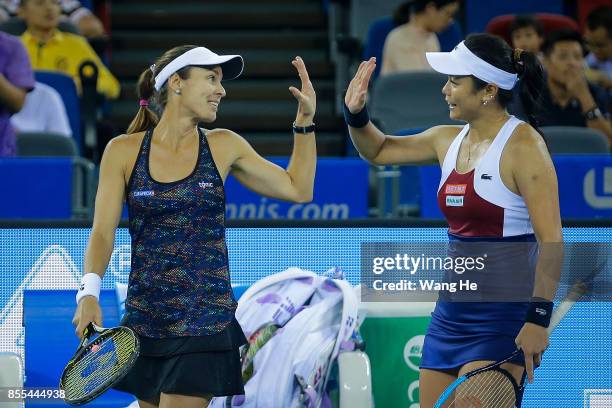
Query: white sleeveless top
column 487, row 186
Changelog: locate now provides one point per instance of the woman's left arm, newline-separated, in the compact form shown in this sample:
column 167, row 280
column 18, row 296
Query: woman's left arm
column 296, row 183
column 536, row 180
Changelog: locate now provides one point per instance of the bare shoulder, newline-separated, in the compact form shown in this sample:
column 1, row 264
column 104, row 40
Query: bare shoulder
column 442, row 136
column 221, row 134
column 225, row 138
column 445, row 131
column 124, row 145
column 527, row 142
column 121, row 152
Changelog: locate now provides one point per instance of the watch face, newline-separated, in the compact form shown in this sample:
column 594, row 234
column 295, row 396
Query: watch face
column 594, row 114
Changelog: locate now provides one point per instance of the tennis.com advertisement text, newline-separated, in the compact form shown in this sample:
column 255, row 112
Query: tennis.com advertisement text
column 265, row 208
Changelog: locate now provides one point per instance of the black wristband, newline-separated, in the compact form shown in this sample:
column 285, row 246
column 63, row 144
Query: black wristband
column 356, row 120
column 539, row 312
column 303, row 129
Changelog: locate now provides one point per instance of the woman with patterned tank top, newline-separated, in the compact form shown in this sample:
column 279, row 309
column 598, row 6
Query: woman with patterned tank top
column 171, row 173
column 498, row 185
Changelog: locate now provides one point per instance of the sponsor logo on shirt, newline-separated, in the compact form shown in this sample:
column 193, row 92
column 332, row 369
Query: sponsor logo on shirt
column 204, row 185
column 146, row 193
column 455, row 188
column 454, row 201
column 485, row 177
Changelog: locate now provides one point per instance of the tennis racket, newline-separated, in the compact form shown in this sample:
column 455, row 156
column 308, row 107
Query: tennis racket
column 98, row 364
column 492, row 386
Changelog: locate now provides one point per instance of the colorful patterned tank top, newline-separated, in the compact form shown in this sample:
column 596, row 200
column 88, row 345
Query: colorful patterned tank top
column 179, row 283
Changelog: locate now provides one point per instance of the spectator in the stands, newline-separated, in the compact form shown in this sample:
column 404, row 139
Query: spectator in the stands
column 598, row 35
column 568, row 99
column 16, row 80
column 406, row 45
column 73, row 14
column 527, row 33
column 43, row 112
column 50, row 49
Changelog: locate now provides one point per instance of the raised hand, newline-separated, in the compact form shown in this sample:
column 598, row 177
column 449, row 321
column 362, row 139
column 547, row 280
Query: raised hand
column 355, row 98
column 306, row 96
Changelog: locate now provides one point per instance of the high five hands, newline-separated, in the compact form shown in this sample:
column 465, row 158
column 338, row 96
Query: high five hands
column 306, row 96
column 355, row 97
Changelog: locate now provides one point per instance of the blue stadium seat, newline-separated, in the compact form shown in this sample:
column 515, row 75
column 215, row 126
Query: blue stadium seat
column 87, row 3
column 375, row 41
column 65, row 86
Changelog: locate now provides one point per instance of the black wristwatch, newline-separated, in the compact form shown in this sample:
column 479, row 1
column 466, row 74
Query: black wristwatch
column 593, row 114
column 303, row 129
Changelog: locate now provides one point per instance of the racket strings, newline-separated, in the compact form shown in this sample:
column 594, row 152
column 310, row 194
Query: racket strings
column 489, row 389
column 103, row 360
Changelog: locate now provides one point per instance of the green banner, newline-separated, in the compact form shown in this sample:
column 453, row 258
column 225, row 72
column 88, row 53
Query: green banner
column 394, row 346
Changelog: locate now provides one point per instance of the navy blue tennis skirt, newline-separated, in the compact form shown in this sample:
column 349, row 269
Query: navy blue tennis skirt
column 465, row 331
column 202, row 366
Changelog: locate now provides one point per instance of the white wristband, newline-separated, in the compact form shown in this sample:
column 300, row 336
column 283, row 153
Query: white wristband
column 90, row 286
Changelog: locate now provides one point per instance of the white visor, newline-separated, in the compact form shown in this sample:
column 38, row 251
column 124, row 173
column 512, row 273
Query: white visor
column 231, row 65
column 462, row 61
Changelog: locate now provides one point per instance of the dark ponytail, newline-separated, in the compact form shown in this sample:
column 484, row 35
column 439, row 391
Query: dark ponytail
column 531, row 82
column 526, row 65
column 145, row 118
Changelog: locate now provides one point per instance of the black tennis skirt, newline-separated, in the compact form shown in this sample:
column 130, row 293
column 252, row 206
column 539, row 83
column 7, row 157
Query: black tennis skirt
column 200, row 366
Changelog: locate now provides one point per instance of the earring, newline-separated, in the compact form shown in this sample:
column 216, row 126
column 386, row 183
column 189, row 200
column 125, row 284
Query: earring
column 177, row 91
column 484, row 102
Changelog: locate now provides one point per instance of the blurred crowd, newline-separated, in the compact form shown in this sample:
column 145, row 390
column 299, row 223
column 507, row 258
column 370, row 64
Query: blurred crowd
column 51, row 36
column 58, row 36
column 577, row 67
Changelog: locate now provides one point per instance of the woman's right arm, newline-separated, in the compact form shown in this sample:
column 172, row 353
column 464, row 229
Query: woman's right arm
column 109, row 204
column 375, row 146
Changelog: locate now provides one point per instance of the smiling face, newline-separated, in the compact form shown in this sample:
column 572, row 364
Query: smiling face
column 464, row 102
column 201, row 92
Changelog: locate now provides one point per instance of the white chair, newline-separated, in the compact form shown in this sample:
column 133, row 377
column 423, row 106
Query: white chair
column 11, row 375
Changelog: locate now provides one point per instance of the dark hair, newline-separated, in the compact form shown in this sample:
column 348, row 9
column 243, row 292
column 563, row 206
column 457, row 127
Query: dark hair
column 401, row 15
column 564, row 34
column 600, row 17
column 526, row 21
column 497, row 52
column 146, row 117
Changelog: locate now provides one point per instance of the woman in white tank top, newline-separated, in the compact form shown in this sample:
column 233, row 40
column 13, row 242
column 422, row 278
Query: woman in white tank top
column 498, row 182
